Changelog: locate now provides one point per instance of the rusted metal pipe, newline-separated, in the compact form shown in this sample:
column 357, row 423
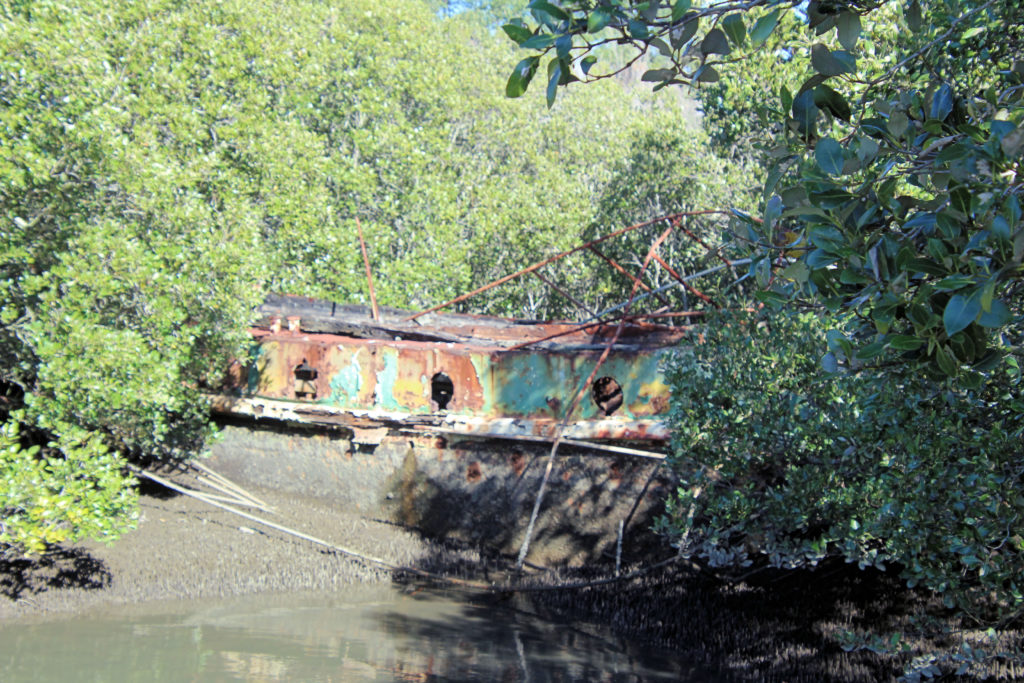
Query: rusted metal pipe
column 524, row 549
column 704, row 244
column 551, row 259
column 579, row 304
column 369, row 274
column 615, row 264
column 684, row 283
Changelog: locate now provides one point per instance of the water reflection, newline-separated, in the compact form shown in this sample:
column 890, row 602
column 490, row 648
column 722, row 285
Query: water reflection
column 366, row 634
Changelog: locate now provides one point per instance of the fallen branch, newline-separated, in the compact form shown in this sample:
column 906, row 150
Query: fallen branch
column 369, row 559
column 525, row 547
column 227, row 482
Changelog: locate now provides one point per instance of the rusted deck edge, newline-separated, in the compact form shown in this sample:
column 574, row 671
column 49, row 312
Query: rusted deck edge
column 479, row 427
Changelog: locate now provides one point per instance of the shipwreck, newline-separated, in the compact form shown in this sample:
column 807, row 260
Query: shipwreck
column 450, row 423
column 316, row 362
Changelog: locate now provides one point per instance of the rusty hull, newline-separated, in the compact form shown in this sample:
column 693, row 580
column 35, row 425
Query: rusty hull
column 319, row 363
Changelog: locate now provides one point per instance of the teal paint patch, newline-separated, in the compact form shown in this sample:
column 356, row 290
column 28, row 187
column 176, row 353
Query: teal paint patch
column 526, row 384
column 253, row 375
column 632, row 372
column 386, row 376
column 482, row 364
column 529, row 384
column 346, row 384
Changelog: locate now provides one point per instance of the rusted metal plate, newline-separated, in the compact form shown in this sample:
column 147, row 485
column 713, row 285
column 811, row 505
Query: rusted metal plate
column 478, row 386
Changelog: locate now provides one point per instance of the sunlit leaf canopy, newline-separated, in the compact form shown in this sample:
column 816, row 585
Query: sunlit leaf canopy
column 891, row 139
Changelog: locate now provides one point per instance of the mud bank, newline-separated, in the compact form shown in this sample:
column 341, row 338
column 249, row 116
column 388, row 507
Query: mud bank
column 783, row 627
column 185, row 549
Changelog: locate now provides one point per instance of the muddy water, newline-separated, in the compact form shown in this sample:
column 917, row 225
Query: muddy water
column 367, row 633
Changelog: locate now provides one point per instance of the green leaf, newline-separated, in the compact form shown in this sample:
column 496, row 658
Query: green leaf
column 960, row 312
column 598, row 18
column 774, row 174
column 771, row 298
column 715, row 42
column 797, row 272
column 657, row 75
column 706, row 74
column 538, row 42
column 904, row 342
column 762, row 272
column 829, row 63
column 942, row 102
column 682, row 35
column 1000, row 228
column 998, row 315
column 805, row 113
column 638, row 29
column 914, row 19
column 785, row 98
column 554, row 76
column 548, row 8
column 562, row 47
column 829, row 363
column 922, row 265
column 960, row 199
column 587, row 63
column 987, row 294
column 872, row 350
column 661, row 46
column 764, row 27
column 829, row 155
column 735, row 28
column 953, row 283
column 848, row 29
column 828, row 99
column 946, row 361
column 680, row 8
column 971, row 32
column 517, row 33
column 521, row 76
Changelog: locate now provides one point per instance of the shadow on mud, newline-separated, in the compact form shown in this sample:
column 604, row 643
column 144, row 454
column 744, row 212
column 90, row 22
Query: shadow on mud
column 59, row 569
column 777, row 626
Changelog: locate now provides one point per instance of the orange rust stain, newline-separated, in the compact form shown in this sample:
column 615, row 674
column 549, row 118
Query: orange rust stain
column 615, row 471
column 473, row 473
column 659, row 405
column 518, row 462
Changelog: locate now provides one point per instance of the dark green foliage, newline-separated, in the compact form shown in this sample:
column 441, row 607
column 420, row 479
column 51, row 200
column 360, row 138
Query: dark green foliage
column 164, row 165
column 785, row 464
column 891, row 153
column 875, row 414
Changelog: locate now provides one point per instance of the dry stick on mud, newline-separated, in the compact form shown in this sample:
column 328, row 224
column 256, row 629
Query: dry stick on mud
column 579, row 395
column 292, row 532
column 653, row 455
column 232, row 494
column 477, row 585
column 224, row 481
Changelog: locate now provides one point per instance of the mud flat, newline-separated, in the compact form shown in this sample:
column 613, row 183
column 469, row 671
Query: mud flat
column 774, row 627
column 185, row 549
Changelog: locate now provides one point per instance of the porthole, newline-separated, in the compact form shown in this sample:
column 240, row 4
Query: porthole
column 441, row 390
column 607, row 394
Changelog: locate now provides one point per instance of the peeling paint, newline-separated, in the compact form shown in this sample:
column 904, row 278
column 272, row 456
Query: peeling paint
column 346, row 383
column 483, row 382
column 386, row 376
